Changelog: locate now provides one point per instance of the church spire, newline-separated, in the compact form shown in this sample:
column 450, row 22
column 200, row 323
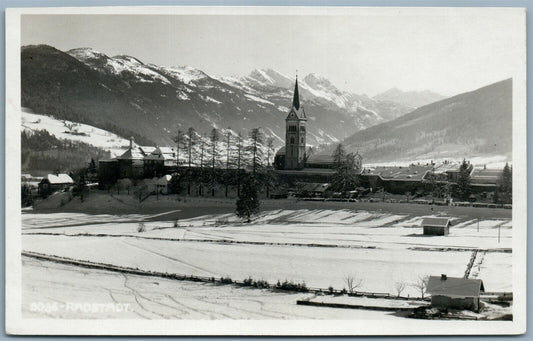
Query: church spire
column 296, row 98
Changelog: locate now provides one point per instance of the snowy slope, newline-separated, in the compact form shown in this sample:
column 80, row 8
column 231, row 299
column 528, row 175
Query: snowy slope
column 73, row 131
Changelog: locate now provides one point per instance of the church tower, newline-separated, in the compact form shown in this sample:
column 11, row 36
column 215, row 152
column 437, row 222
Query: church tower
column 295, row 126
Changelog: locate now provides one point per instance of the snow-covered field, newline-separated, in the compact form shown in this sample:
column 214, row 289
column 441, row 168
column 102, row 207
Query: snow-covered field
column 318, row 247
column 60, row 291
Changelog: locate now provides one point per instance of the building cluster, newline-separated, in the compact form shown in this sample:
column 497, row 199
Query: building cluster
column 295, row 164
column 139, row 162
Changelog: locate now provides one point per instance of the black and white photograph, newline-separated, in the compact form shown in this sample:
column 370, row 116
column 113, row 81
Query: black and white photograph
column 266, row 171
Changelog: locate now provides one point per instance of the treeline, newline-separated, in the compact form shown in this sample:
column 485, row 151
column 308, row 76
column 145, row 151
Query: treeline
column 42, row 151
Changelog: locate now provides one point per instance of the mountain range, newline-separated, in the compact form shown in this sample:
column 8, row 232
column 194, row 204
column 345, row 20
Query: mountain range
column 472, row 124
column 414, row 99
column 125, row 96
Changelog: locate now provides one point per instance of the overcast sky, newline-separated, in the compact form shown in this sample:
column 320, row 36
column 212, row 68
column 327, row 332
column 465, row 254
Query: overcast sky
column 363, row 54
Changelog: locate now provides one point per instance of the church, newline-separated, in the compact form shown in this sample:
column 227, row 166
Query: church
column 295, row 155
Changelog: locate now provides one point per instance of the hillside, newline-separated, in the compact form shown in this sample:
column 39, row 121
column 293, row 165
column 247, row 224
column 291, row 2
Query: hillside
column 414, row 99
column 472, row 124
column 123, row 95
column 75, row 132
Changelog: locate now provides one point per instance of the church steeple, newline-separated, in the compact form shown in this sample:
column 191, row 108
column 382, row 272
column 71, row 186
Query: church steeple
column 296, row 98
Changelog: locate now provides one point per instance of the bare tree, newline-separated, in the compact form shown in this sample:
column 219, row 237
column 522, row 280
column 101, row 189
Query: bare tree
column 228, row 147
column 191, row 141
column 352, row 283
column 400, row 286
column 239, row 159
column 256, row 139
column 270, row 149
column 421, row 285
column 202, row 150
column 178, row 140
column 214, row 137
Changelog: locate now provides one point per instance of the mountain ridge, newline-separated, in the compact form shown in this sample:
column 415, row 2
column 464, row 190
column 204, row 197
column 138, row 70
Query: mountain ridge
column 470, row 124
column 128, row 97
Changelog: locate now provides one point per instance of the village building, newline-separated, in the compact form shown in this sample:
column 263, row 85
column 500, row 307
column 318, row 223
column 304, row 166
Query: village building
column 455, row 293
column 295, row 162
column 161, row 160
column 398, row 180
column 436, row 226
column 54, row 182
column 485, row 180
column 131, row 162
column 30, row 181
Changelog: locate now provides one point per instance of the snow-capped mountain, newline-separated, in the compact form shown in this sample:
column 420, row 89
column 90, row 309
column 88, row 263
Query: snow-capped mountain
column 413, row 99
column 130, row 98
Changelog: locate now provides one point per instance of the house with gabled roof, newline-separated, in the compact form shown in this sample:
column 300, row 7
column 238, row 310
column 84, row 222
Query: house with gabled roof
column 160, row 161
column 54, row 182
column 436, row 226
column 131, row 162
column 454, row 292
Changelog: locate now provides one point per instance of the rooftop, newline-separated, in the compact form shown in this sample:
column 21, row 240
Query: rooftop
column 59, row 179
column 442, row 222
column 410, row 173
column 454, row 287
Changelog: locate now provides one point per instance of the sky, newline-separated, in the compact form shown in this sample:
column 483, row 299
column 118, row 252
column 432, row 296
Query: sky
column 366, row 54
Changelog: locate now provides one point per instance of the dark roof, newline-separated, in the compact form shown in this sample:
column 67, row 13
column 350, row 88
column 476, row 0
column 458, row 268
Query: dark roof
column 441, row 222
column 315, row 187
column 296, row 97
column 281, row 151
column 454, row 286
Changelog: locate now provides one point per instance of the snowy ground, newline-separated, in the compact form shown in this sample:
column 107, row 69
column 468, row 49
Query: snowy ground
column 56, row 291
column 63, row 129
column 318, row 247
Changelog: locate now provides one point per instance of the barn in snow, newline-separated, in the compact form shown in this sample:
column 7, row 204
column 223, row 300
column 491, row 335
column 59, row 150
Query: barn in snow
column 436, row 226
column 455, row 293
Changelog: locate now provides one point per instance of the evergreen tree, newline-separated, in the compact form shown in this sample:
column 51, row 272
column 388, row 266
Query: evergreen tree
column 463, row 182
column 506, row 187
column 345, row 177
column 248, row 201
column 270, row 149
column 339, row 155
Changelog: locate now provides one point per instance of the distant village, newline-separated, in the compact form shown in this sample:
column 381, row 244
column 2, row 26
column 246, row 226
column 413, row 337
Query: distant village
column 295, row 170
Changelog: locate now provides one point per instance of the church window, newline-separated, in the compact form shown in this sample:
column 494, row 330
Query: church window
column 302, row 140
column 292, row 139
column 302, row 128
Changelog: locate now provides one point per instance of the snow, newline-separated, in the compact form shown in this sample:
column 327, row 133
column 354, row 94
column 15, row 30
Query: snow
column 379, row 247
column 258, row 99
column 210, row 99
column 491, row 162
column 379, row 268
column 185, row 74
column 82, row 132
column 147, row 297
column 120, row 64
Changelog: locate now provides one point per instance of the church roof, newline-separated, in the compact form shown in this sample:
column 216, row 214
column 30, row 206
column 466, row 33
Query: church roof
column 296, row 97
column 297, row 110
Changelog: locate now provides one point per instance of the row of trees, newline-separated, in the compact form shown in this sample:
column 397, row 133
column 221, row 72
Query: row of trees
column 222, row 148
